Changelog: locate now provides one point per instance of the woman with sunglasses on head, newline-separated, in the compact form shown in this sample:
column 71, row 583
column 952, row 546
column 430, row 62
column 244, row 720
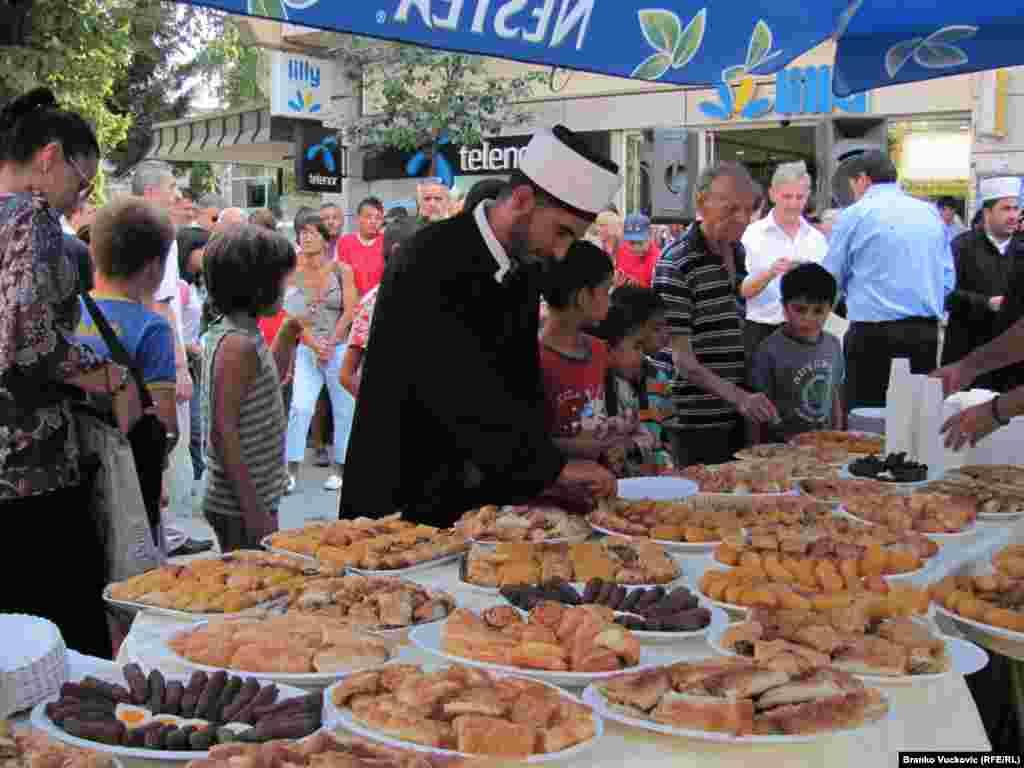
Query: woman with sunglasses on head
column 48, row 160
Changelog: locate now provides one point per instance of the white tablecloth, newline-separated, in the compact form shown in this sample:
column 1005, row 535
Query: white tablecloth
column 937, row 716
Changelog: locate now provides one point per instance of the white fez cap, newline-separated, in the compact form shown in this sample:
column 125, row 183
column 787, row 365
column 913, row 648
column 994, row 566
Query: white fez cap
column 574, row 180
column 1000, row 187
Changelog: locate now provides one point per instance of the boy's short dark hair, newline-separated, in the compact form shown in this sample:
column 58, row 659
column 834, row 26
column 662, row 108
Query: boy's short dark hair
column 642, row 303
column 620, row 323
column 129, row 234
column 312, row 219
column 809, row 282
column 584, row 266
column 370, row 202
column 243, row 269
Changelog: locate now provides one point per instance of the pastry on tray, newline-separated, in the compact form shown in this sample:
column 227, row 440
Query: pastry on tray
column 464, row 709
column 323, row 749
column 740, row 698
column 617, row 560
column 996, row 599
column 842, row 490
column 226, row 584
column 852, row 442
column 824, row 454
column 522, row 523
column 387, row 544
column 742, row 477
column 854, row 550
column 995, row 489
column 864, row 638
column 552, row 637
column 923, row 512
column 371, row 602
column 804, row 585
column 700, row 519
column 289, row 644
column 30, row 748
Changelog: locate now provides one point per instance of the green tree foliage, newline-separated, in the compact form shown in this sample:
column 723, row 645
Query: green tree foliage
column 416, row 94
column 236, row 70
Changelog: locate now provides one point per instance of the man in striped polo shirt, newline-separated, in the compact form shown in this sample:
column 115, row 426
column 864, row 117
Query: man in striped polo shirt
column 697, row 278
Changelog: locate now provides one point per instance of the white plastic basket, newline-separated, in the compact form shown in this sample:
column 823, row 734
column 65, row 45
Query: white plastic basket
column 33, row 659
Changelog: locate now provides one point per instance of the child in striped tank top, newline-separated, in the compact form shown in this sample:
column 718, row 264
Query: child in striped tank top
column 244, row 421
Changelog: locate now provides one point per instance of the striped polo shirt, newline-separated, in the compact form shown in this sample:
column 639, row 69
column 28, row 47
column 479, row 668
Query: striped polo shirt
column 701, row 303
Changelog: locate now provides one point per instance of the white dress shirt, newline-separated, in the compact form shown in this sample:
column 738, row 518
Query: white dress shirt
column 501, row 257
column 765, row 242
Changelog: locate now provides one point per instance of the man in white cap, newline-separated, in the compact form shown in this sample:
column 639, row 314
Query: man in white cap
column 450, row 412
column 984, row 263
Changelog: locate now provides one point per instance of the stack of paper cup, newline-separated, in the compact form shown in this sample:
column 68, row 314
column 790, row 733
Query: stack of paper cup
column 901, row 409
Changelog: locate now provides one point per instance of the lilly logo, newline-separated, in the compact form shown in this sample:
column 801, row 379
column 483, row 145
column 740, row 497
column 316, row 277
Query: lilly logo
column 420, row 162
column 759, row 52
column 326, row 148
column 303, row 72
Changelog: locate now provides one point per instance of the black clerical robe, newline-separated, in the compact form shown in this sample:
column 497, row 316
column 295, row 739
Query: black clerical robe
column 449, row 414
column 981, row 273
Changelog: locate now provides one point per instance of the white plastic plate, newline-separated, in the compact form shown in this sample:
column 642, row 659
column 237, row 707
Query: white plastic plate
column 596, row 699
column 657, row 488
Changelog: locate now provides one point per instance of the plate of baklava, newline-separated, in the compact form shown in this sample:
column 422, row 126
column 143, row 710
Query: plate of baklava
column 728, row 699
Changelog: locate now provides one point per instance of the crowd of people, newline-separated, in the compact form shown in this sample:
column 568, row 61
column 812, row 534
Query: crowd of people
column 525, row 342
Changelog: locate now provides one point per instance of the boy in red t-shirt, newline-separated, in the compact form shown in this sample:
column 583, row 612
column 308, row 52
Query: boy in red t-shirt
column 364, row 250
column 574, row 364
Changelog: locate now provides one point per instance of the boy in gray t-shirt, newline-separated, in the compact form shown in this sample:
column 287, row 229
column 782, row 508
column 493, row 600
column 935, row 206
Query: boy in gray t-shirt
column 800, row 368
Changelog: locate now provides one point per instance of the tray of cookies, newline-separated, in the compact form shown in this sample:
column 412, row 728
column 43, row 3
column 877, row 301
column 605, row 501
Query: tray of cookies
column 613, row 559
column 742, row 477
column 463, row 711
column 997, row 490
column 699, row 523
column 829, row 455
column 855, row 443
column 293, row 649
column 805, row 586
column 936, row 515
column 33, row 748
column 564, row 645
column 385, row 605
column 246, row 581
column 728, row 699
column 491, row 524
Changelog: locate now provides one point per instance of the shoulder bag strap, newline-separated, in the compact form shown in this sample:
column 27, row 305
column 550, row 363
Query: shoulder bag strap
column 117, row 351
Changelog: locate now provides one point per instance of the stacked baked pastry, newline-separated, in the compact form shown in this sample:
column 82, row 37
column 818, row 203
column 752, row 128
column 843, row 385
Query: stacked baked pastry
column 996, row 599
column 704, row 518
column 859, row 638
column 921, row 512
column 995, row 490
column 464, row 709
column 553, row 637
column 851, row 442
column 522, row 523
column 742, row 477
column 740, row 698
column 371, row 602
column 227, row 584
column 29, row 748
column 291, row 644
column 613, row 559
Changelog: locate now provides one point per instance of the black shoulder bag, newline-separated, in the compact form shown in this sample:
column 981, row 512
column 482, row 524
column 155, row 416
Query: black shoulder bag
column 148, row 437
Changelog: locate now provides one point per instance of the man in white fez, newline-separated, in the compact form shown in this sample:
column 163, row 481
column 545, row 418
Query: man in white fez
column 984, row 264
column 450, row 413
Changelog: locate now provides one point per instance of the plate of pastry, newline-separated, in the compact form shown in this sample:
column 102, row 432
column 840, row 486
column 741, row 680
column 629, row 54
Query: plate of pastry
column 242, row 582
column 29, row 747
column 986, row 596
column 293, row 649
column 997, row 490
column 923, row 512
column 856, row 443
column 476, row 713
column 727, row 699
column 742, row 478
column 615, row 559
column 492, row 524
column 382, row 605
column 564, row 645
column 171, row 717
column 882, row 649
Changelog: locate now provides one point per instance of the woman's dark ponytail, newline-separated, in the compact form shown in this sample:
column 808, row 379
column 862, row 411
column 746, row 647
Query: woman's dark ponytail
column 33, row 120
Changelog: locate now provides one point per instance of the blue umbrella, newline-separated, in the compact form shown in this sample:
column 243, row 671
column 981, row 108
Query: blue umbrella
column 686, row 42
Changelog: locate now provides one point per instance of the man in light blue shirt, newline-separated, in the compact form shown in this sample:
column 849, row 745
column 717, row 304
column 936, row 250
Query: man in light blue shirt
column 891, row 258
